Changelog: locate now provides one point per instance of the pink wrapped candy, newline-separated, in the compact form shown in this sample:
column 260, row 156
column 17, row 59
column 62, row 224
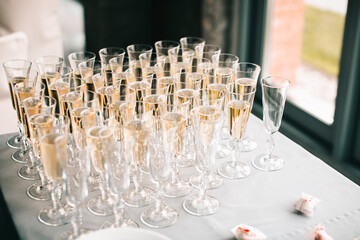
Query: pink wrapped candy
column 246, row 232
column 319, row 233
column 306, row 204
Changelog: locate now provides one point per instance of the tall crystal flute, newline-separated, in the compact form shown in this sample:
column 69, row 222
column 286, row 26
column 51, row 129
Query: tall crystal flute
column 18, row 69
column 21, row 155
column 119, row 168
column 58, row 214
column 23, row 91
column 160, row 215
column 213, row 95
column 75, row 171
column 186, row 86
column 207, row 123
column 38, row 109
column 246, row 73
column 95, row 136
column 175, row 118
column 239, row 104
column 274, row 98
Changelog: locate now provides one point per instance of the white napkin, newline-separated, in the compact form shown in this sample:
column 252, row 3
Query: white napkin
column 319, row 233
column 306, row 204
column 246, row 232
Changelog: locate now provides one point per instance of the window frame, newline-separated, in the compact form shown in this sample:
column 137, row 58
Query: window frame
column 333, row 143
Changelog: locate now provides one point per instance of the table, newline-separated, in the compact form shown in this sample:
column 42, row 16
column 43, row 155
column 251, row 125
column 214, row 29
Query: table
column 264, row 199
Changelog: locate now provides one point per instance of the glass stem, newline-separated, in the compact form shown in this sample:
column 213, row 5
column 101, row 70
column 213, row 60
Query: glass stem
column 174, row 172
column 40, row 169
column 76, row 220
column 159, row 196
column 202, row 190
column 103, row 187
column 32, row 162
column 237, row 153
column 119, row 211
column 56, row 195
column 270, row 144
column 137, row 178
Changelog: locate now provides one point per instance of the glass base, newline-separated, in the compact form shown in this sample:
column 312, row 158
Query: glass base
column 141, row 198
column 201, row 206
column 213, row 180
column 28, row 173
column 187, row 160
column 52, row 217
column 101, row 207
column 264, row 163
column 234, row 170
column 223, row 152
column 20, row 156
column 38, row 192
column 177, row 188
column 165, row 217
column 127, row 222
column 14, row 141
column 70, row 235
column 247, row 145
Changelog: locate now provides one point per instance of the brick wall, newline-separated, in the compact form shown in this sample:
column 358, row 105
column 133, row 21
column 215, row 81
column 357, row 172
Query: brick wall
column 286, row 38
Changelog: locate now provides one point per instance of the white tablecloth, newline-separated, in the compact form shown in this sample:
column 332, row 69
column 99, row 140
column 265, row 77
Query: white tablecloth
column 264, row 199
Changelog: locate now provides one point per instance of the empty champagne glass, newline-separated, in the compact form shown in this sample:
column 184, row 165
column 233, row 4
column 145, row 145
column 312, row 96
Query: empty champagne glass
column 17, row 70
column 119, row 168
column 160, row 215
column 49, row 131
column 246, row 73
column 168, row 51
column 239, row 105
column 274, row 98
column 75, row 171
column 207, row 123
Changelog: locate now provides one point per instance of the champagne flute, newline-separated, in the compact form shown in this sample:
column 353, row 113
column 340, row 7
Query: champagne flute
column 76, row 58
column 105, row 55
column 210, row 51
column 102, row 204
column 239, row 104
column 168, row 51
column 207, row 123
column 23, row 91
column 50, row 70
column 274, row 98
column 227, row 60
column 48, row 132
column 18, row 69
column 75, row 171
column 186, row 86
column 160, row 215
column 134, row 51
column 137, row 195
column 37, row 107
column 21, row 155
column 174, row 120
column 246, row 73
column 213, row 95
column 62, row 86
column 119, row 162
